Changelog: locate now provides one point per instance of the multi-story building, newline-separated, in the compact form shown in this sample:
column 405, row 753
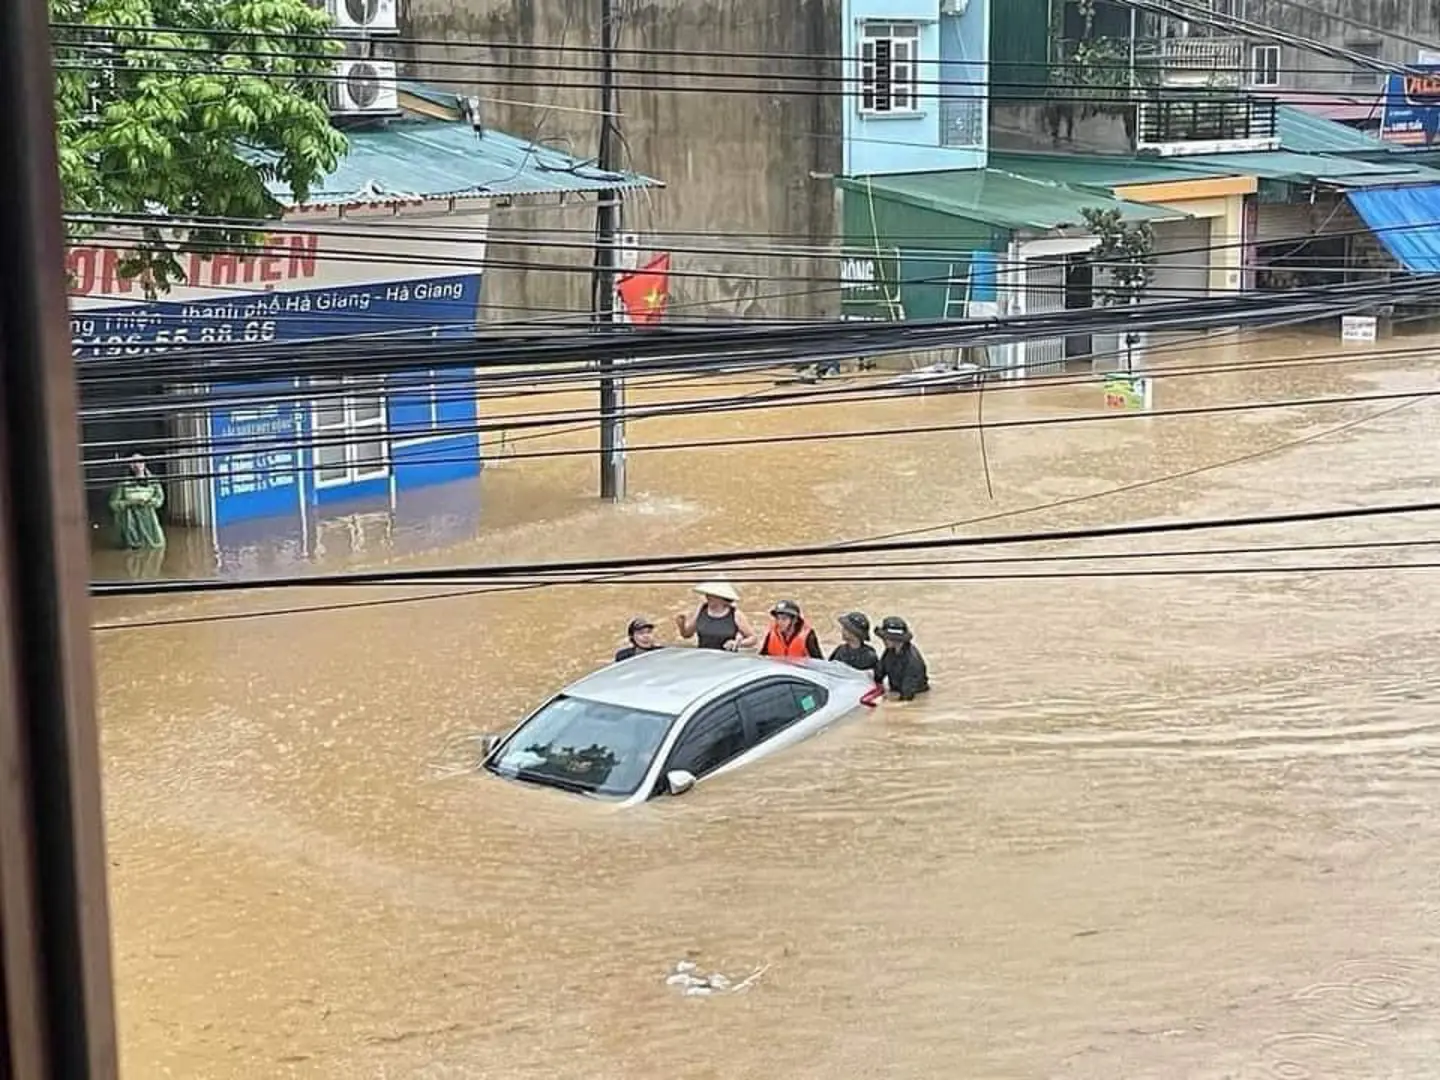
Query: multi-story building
column 1095, row 104
column 943, row 217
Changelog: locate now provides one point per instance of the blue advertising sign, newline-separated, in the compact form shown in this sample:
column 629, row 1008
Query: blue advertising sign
column 257, row 481
column 252, row 477
column 444, row 304
column 1411, row 116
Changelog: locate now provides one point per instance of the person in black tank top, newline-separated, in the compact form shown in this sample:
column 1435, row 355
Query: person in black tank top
column 718, row 622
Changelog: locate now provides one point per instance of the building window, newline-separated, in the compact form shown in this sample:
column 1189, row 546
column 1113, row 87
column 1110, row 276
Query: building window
column 889, row 75
column 349, row 432
column 1228, row 9
column 1265, row 65
column 1362, row 77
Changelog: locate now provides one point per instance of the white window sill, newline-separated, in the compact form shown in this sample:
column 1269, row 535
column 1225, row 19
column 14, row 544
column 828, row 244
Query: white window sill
column 918, row 114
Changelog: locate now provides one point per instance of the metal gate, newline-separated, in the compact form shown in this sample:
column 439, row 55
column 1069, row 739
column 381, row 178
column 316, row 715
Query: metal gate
column 1044, row 294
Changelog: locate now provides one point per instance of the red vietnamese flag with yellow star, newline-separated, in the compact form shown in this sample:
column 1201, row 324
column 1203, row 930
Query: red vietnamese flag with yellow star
column 646, row 291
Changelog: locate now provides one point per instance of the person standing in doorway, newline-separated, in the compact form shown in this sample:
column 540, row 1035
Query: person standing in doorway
column 135, row 504
column 717, row 623
column 790, row 636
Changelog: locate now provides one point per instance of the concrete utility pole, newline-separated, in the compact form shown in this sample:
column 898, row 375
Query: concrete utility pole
column 607, row 214
column 56, row 1010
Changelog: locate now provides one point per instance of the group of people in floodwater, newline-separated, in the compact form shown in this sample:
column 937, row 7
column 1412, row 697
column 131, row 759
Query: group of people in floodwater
column 718, row 623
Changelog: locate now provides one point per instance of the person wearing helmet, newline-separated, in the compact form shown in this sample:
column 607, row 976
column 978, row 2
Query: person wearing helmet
column 855, row 650
column 901, row 665
column 641, row 633
column 790, row 636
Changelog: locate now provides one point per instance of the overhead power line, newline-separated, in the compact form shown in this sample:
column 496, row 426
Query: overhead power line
column 843, row 545
column 583, row 49
column 1024, row 94
column 654, row 562
column 376, row 460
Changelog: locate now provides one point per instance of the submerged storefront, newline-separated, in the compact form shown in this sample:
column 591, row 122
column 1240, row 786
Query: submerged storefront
column 391, row 245
column 236, row 451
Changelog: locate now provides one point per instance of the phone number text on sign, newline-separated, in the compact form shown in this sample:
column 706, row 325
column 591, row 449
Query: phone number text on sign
column 144, row 333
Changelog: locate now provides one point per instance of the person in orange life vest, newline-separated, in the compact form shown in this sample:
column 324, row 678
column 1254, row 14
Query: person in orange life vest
column 790, row 636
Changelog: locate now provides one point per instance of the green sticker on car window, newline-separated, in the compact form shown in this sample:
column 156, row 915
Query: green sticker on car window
column 807, row 702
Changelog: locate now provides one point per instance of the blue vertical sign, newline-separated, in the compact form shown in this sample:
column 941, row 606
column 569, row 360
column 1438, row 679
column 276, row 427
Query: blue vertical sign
column 1411, row 114
column 254, row 457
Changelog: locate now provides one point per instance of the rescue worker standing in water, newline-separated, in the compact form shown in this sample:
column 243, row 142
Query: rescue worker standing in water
column 855, row 650
column 901, row 664
column 790, row 636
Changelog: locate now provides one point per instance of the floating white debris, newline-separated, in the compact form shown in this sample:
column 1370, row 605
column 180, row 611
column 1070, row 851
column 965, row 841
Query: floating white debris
column 686, row 979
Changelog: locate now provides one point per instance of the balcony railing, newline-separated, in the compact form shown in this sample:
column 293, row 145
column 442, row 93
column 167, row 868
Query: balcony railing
column 1206, row 125
column 1189, row 61
column 1198, row 61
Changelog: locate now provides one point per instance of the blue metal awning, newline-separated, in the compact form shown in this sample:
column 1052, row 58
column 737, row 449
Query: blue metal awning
column 1406, row 220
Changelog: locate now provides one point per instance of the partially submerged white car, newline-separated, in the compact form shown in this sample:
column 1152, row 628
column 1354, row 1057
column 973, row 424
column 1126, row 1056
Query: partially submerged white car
column 662, row 721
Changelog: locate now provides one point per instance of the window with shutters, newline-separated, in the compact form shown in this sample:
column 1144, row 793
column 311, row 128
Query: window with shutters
column 889, row 68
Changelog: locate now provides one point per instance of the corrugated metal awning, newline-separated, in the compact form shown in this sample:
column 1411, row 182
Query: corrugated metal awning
column 999, row 199
column 1326, row 169
column 1101, row 171
column 1407, row 221
column 420, row 160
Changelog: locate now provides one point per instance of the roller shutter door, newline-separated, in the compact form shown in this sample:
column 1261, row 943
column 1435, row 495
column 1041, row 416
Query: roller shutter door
column 1182, row 261
column 1276, row 223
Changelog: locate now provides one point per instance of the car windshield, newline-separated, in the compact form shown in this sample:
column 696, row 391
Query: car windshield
column 586, row 746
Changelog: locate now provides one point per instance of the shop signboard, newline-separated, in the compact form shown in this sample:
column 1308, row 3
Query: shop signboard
column 1411, row 106
column 447, row 304
column 1127, row 391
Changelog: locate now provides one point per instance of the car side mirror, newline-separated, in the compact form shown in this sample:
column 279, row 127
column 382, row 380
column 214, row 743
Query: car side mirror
column 488, row 743
column 678, row 781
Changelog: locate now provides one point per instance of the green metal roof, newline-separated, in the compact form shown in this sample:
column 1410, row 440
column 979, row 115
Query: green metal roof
column 1001, row 199
column 1101, row 172
column 1339, row 172
column 1305, row 133
column 434, row 159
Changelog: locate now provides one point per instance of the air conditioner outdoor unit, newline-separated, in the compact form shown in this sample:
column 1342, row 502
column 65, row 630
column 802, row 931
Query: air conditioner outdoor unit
column 363, row 16
column 363, row 87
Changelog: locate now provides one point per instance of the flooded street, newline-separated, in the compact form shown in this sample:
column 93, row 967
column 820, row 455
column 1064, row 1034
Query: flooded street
column 1161, row 826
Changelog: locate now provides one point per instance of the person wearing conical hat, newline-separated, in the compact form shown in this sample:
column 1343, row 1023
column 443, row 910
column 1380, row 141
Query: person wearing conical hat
column 718, row 623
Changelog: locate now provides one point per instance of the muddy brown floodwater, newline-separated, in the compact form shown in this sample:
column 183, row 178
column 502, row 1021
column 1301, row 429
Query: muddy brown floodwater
column 1169, row 827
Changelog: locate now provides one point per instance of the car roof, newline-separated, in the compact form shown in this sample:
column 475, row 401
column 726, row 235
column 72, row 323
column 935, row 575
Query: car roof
column 671, row 680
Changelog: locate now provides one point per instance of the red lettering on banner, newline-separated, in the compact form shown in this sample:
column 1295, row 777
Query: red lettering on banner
column 1422, row 87
column 80, row 268
column 94, row 269
column 302, row 254
column 224, row 269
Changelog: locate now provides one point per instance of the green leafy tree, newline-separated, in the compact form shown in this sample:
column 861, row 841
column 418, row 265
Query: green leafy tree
column 1126, row 251
column 182, row 110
